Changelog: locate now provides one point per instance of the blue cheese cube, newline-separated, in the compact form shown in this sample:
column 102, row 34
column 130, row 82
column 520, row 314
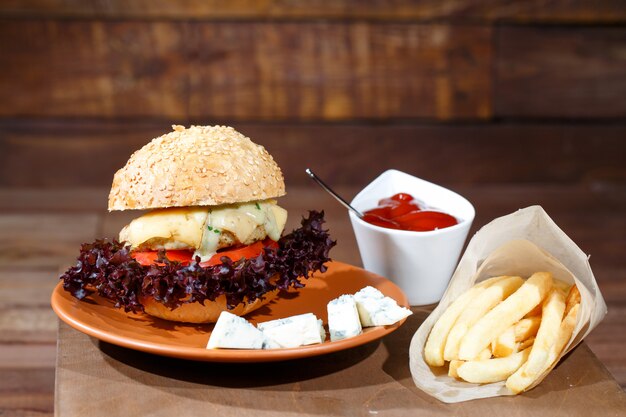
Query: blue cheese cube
column 343, row 318
column 291, row 332
column 377, row 310
column 235, row 332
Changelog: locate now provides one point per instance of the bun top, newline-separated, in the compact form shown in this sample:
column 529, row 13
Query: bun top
column 198, row 166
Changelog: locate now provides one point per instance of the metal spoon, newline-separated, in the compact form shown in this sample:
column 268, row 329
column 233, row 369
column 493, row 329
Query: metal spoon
column 334, row 194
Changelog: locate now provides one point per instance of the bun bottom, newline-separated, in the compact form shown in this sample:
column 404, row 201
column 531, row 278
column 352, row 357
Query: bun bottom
column 208, row 312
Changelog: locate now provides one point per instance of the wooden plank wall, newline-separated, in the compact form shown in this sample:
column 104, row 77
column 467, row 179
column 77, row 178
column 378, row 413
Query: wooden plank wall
column 521, row 101
column 435, row 85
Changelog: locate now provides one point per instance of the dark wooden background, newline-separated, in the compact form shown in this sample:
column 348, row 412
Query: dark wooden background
column 511, row 103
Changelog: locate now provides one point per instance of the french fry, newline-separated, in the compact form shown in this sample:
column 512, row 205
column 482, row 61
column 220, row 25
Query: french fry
column 455, row 363
column 492, row 370
column 453, row 366
column 514, row 338
column 485, row 354
column 526, row 327
column 573, row 298
column 525, row 343
column 505, row 314
column 562, row 286
column 505, row 329
column 535, row 311
column 504, row 345
column 433, row 351
column 565, row 334
column 476, row 309
column 520, row 380
column 553, row 308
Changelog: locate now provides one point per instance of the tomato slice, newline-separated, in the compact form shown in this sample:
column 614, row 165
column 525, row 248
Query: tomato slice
column 248, row 252
column 149, row 257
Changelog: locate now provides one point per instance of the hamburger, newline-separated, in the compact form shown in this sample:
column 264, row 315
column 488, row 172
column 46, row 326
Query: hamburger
column 212, row 239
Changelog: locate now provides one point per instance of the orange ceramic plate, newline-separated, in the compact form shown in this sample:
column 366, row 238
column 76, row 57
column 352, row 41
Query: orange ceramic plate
column 98, row 318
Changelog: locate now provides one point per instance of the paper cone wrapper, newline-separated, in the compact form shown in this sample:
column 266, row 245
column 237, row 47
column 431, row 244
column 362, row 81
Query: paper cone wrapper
column 521, row 243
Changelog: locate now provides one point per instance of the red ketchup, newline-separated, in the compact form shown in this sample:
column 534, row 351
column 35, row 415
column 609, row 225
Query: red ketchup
column 403, row 212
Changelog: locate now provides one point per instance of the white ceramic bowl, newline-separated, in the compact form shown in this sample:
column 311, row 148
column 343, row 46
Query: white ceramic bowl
column 421, row 263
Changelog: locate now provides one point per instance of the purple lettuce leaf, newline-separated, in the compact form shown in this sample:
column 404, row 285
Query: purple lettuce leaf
column 108, row 269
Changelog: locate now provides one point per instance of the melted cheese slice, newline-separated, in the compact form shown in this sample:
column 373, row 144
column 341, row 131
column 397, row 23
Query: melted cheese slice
column 172, row 228
column 201, row 228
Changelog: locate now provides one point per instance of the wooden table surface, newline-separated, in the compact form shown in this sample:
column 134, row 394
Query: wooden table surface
column 40, row 231
column 373, row 379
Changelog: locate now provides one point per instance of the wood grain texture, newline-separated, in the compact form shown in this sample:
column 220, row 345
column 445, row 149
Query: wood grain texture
column 42, row 241
column 560, row 72
column 88, row 153
column 68, row 200
column 591, row 214
column 25, row 314
column 93, row 68
column 482, row 96
column 28, row 335
column 270, row 71
column 605, row 345
column 27, row 392
column 28, row 356
column 570, row 11
column 370, row 379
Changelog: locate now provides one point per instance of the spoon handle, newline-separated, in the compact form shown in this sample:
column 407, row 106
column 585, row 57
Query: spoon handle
column 331, row 192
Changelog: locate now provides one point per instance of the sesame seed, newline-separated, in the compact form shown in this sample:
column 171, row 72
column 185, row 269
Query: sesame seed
column 192, row 155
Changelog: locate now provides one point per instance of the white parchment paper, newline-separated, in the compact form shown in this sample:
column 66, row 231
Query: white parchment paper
column 520, row 243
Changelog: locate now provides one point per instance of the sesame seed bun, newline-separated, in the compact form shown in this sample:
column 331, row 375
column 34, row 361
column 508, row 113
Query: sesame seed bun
column 198, row 166
column 208, row 312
